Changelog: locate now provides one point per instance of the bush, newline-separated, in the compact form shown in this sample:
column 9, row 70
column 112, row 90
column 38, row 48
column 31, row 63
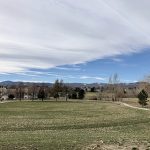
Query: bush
column 11, row 96
column 56, row 95
column 142, row 96
column 74, row 95
column 93, row 89
column 81, row 94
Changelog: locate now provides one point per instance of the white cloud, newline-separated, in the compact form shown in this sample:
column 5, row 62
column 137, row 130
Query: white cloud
column 117, row 59
column 41, row 74
column 69, row 68
column 93, row 77
column 49, row 33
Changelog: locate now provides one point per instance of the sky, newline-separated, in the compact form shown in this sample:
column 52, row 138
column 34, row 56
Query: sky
column 74, row 40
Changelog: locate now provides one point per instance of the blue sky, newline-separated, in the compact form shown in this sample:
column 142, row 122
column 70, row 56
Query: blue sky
column 74, row 40
column 130, row 68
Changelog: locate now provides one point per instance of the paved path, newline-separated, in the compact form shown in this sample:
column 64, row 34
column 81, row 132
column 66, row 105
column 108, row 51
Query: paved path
column 127, row 105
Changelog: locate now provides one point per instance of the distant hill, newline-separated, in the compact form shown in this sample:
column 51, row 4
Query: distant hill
column 7, row 83
column 11, row 83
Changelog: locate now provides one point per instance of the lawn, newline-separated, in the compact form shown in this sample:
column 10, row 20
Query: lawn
column 69, row 125
column 91, row 95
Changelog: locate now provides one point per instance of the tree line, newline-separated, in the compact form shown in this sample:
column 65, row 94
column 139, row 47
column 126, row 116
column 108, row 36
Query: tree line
column 34, row 91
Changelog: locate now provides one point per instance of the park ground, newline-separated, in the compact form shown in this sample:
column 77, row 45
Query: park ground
column 72, row 125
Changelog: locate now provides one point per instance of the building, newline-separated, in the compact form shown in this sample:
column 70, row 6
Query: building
column 3, row 93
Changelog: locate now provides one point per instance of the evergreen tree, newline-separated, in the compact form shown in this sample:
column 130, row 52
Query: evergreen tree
column 11, row 96
column 142, row 96
column 74, row 95
column 93, row 89
column 57, row 88
column 81, row 94
column 42, row 94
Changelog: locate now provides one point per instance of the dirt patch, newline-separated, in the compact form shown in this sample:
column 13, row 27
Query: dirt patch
column 120, row 146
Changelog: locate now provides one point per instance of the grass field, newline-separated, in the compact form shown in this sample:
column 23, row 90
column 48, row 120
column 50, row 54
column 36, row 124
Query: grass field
column 91, row 95
column 69, row 125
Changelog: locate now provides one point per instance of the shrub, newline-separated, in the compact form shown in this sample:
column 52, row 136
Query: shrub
column 74, row 95
column 11, row 96
column 81, row 94
column 142, row 96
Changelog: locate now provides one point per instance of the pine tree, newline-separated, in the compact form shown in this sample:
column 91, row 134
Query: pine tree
column 42, row 94
column 57, row 88
column 81, row 94
column 142, row 96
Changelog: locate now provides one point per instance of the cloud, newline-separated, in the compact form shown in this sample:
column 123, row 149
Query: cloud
column 39, row 74
column 93, row 77
column 45, row 34
column 43, row 74
column 68, row 68
column 117, row 59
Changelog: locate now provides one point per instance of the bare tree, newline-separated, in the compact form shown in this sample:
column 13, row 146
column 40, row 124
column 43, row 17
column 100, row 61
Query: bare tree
column 114, row 87
column 110, row 80
column 145, row 84
column 33, row 90
column 65, row 91
column 20, row 91
column 116, row 79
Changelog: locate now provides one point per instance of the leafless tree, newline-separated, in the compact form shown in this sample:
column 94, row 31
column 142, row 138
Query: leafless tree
column 114, row 87
column 33, row 91
column 20, row 91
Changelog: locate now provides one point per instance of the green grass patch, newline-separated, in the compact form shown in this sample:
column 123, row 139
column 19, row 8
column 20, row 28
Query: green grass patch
column 69, row 125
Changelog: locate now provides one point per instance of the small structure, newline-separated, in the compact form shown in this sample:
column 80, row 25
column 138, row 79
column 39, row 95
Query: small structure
column 3, row 93
column 4, row 97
